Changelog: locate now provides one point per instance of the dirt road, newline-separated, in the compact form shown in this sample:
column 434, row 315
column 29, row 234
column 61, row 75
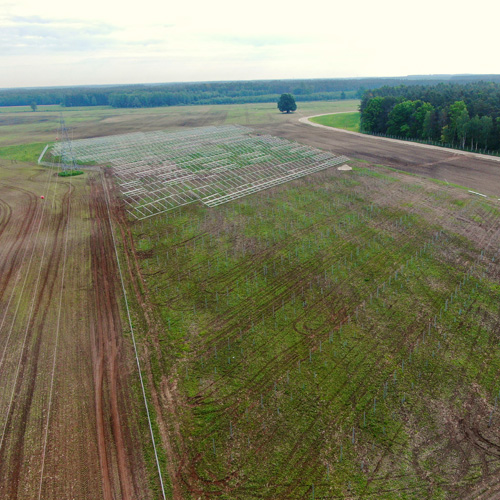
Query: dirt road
column 477, row 173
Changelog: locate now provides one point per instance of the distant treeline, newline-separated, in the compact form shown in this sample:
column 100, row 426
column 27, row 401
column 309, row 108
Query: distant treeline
column 466, row 116
column 175, row 94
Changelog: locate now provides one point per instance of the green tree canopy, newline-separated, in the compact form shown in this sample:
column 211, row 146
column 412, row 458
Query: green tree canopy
column 465, row 116
column 375, row 113
column 407, row 119
column 400, row 118
column 287, row 103
column 458, row 117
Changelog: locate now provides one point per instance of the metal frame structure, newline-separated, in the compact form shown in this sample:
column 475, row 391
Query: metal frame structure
column 160, row 171
column 67, row 161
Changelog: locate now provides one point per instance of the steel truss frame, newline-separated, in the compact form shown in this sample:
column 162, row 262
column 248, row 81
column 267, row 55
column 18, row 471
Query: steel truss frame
column 160, row 171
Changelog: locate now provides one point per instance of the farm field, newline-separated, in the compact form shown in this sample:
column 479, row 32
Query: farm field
column 27, row 127
column 478, row 172
column 69, row 427
column 160, row 171
column 335, row 337
column 29, row 132
column 332, row 337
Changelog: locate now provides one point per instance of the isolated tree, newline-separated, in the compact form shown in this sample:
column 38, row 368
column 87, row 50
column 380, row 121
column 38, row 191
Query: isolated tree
column 287, row 103
column 33, row 105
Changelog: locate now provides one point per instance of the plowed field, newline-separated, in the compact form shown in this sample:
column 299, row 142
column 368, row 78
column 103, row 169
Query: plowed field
column 65, row 399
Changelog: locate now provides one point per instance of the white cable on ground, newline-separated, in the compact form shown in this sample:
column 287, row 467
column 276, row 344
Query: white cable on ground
column 133, row 341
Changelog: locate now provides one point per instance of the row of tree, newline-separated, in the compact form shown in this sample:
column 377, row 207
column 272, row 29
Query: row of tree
column 466, row 116
column 157, row 99
column 174, row 94
column 170, row 94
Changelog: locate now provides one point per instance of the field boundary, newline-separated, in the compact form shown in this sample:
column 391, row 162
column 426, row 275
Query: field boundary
column 45, row 163
column 129, row 318
column 306, row 120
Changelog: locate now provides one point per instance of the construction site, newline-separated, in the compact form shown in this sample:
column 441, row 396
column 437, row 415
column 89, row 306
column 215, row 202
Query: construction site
column 244, row 310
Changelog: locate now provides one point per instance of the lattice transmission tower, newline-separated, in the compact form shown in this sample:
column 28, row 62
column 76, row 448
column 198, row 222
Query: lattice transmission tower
column 68, row 162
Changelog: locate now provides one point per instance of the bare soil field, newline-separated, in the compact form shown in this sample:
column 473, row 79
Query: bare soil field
column 68, row 421
column 22, row 128
column 477, row 173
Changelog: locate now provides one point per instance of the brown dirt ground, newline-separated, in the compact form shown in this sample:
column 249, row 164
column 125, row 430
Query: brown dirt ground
column 93, row 448
column 478, row 174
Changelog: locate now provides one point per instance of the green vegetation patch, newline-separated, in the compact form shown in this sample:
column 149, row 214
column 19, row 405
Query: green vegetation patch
column 28, row 153
column 451, row 115
column 346, row 121
column 322, row 332
column 70, row 173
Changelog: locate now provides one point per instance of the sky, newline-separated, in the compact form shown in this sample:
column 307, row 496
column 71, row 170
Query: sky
column 95, row 42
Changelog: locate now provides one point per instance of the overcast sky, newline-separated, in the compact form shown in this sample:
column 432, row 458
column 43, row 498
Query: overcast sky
column 50, row 43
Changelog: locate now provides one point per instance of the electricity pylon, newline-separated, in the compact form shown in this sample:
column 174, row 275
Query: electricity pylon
column 68, row 162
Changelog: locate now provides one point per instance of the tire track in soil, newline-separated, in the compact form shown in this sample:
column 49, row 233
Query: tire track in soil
column 106, row 350
column 11, row 259
column 291, row 356
column 27, row 378
column 166, row 400
column 309, row 456
column 5, row 215
column 285, row 362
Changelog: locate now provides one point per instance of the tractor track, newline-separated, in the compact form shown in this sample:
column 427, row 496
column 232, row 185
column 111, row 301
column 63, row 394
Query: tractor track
column 14, row 253
column 5, row 215
column 291, row 277
column 165, row 401
column 28, row 374
column 106, row 356
column 312, row 448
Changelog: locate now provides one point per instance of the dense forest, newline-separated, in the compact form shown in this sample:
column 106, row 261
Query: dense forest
column 466, row 115
column 237, row 92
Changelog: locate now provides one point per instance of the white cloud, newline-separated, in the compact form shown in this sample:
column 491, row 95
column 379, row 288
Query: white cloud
column 42, row 43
